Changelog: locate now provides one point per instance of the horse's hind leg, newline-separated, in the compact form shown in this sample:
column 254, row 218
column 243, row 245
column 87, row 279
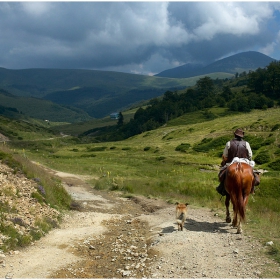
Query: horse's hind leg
column 228, row 218
column 239, row 228
column 235, row 218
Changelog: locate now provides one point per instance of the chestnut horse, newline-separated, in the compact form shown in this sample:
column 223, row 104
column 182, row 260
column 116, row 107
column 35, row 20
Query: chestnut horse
column 238, row 184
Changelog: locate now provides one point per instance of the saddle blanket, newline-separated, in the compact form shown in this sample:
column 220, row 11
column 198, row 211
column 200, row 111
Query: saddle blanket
column 244, row 160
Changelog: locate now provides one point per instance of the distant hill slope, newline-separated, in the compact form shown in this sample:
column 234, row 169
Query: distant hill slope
column 40, row 82
column 13, row 106
column 98, row 93
column 237, row 63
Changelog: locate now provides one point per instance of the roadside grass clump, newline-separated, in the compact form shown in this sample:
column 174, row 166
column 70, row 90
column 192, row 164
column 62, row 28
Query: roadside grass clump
column 38, row 197
column 5, row 207
column 55, row 194
column 274, row 252
column 7, row 159
column 45, row 224
column 14, row 238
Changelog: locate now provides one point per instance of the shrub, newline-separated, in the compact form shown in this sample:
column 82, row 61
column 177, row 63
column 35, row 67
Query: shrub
column 268, row 141
column 255, row 142
column 126, row 148
column 275, row 165
column 96, row 149
column 275, row 127
column 183, row 147
column 87, row 155
column 208, row 144
column 262, row 157
column 160, row 158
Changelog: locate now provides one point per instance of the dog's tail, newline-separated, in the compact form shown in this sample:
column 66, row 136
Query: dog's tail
column 181, row 218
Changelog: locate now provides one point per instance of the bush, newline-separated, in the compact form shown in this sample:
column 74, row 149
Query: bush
column 255, row 142
column 208, row 144
column 126, row 148
column 275, row 127
column 262, row 157
column 275, row 165
column 96, row 149
column 87, row 155
column 183, row 147
column 160, row 158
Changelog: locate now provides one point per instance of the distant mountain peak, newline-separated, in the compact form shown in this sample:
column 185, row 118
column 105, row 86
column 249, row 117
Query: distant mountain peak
column 240, row 62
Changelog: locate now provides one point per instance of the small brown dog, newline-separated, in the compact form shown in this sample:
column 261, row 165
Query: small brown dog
column 181, row 214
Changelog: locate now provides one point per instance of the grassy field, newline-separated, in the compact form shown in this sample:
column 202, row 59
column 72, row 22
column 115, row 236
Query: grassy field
column 179, row 162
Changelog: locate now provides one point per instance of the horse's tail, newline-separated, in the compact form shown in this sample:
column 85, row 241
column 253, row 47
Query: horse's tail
column 240, row 200
column 237, row 195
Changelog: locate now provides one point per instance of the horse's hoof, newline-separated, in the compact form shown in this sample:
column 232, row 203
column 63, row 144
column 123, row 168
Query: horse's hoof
column 228, row 220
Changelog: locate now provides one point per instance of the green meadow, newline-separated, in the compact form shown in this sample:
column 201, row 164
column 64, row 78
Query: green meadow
column 177, row 162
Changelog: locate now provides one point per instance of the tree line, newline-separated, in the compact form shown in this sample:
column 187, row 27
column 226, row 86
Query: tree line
column 260, row 90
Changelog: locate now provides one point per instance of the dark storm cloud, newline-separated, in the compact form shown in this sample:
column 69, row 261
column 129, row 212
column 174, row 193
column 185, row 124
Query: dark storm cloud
column 138, row 37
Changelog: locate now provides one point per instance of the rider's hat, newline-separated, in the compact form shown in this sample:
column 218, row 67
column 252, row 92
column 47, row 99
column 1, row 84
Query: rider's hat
column 239, row 132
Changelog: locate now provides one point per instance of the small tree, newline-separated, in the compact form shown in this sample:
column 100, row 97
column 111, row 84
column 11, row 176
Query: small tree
column 120, row 119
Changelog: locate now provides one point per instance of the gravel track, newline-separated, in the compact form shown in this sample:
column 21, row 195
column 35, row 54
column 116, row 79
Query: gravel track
column 115, row 237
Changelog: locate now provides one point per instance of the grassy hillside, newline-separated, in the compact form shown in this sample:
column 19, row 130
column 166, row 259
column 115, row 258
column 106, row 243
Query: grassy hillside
column 40, row 82
column 41, row 109
column 99, row 93
column 179, row 161
column 237, row 63
column 29, row 130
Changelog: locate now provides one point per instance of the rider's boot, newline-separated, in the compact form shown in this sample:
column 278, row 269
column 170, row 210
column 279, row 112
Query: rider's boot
column 221, row 189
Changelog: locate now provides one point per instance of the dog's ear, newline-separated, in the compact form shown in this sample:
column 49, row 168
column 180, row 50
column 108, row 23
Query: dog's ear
column 176, row 203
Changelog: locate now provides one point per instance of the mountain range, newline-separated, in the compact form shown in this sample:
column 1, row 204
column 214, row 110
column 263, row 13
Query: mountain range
column 74, row 95
column 237, row 63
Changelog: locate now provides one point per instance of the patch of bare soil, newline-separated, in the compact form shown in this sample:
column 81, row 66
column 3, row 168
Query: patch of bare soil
column 115, row 237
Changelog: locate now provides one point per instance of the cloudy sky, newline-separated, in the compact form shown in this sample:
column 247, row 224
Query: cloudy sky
column 134, row 37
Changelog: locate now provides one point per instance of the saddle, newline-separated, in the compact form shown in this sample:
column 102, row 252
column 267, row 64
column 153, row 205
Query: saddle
column 244, row 160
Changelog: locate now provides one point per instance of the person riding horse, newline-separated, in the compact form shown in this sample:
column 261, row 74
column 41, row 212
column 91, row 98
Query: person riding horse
column 236, row 147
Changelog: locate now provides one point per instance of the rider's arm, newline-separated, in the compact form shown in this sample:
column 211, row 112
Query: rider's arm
column 225, row 153
column 250, row 153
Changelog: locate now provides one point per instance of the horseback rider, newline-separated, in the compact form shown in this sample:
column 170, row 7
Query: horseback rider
column 236, row 147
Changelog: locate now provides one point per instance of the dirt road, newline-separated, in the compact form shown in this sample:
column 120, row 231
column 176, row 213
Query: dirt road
column 115, row 237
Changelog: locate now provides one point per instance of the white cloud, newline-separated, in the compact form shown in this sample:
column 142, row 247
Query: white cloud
column 36, row 8
column 270, row 48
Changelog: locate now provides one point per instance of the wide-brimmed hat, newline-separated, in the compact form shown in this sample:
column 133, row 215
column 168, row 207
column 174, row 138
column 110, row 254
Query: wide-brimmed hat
column 239, row 132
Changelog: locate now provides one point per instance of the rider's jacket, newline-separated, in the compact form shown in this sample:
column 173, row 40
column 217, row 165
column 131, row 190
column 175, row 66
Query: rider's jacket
column 237, row 149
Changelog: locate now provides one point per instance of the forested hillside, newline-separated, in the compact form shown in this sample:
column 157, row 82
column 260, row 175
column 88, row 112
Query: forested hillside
column 259, row 89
